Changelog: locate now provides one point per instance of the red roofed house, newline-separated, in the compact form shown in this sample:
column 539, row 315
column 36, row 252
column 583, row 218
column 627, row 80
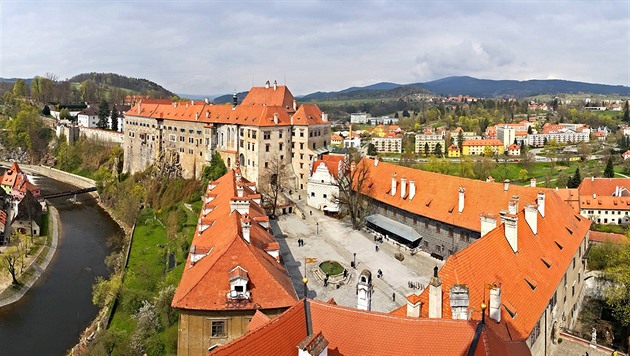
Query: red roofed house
column 520, row 249
column 605, row 200
column 625, row 155
column 14, row 182
column 268, row 126
column 389, row 143
column 601, row 237
column 514, row 150
column 336, row 140
column 318, row 328
column 322, row 189
column 480, row 147
column 233, row 268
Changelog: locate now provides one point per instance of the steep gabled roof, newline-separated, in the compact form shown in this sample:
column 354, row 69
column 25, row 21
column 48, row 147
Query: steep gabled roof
column 351, row 332
column 332, row 163
column 605, row 193
column 484, row 142
column 219, row 246
column 263, row 96
column 437, row 195
column 528, row 278
column 308, row 114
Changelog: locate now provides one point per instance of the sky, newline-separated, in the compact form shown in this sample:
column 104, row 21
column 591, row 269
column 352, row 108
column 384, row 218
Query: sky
column 217, row 47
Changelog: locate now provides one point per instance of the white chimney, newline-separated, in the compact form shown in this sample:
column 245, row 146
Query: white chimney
column 506, row 185
column 510, row 229
column 541, row 203
column 532, row 182
column 412, row 189
column 488, row 223
column 139, row 107
column 246, row 226
column 196, row 116
column 531, row 217
column 275, row 84
column 207, row 114
column 403, row 187
column 267, row 85
column 206, row 100
column 413, row 308
column 294, row 105
column 325, row 117
column 375, row 161
column 239, row 190
column 592, row 178
column 393, row 184
column 275, row 118
column 462, row 192
column 459, row 301
column 513, row 205
column 495, row 304
column 435, row 295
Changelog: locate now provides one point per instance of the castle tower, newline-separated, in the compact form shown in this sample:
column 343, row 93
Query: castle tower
column 364, row 290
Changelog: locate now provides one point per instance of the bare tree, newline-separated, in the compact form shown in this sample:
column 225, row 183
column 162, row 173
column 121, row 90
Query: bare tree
column 274, row 180
column 353, row 182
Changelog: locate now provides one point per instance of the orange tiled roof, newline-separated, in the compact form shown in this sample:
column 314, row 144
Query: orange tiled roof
column 204, row 284
column 17, row 180
column 491, row 260
column 263, row 96
column 484, row 142
column 597, row 193
column 250, row 112
column 352, row 332
column 331, row 162
column 453, row 147
column 597, row 236
column 571, row 197
column 437, row 195
column 513, row 147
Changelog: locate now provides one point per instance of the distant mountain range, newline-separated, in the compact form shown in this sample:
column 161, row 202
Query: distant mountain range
column 461, row 85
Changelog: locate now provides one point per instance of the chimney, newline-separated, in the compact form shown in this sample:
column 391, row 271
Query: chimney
column 435, row 295
column 294, row 105
column 393, row 184
column 506, row 185
column 275, row 118
column 459, row 301
column 246, row 226
column 413, row 306
column 488, row 223
column 139, row 107
column 513, row 205
column 275, row 85
column 462, row 192
column 196, row 116
column 592, row 178
column 495, row 303
column 412, row 189
column 207, row 114
column 240, row 205
column 234, row 101
column 541, row 203
column 239, row 190
column 267, row 85
column 490, row 179
column 192, row 102
column 403, row 187
column 531, row 217
column 511, row 229
column 375, row 161
column 532, row 182
column 325, row 117
column 206, row 100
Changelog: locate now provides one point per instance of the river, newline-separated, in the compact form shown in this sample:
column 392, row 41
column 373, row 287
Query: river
column 50, row 317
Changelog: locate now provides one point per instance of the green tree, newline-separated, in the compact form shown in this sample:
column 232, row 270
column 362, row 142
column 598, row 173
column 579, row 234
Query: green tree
column 426, row 149
column 103, row 114
column 114, row 117
column 215, row 170
column 626, row 112
column 371, row 149
column 460, row 141
column 438, row 150
column 609, row 171
column 20, row 89
column 617, row 270
column 104, row 290
column 575, row 181
column 523, row 174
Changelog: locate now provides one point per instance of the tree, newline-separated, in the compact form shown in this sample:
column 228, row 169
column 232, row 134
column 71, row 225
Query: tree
column 20, row 89
column 575, row 181
column 353, row 182
column 626, row 112
column 438, row 150
column 609, row 172
column 615, row 263
column 104, row 290
column 523, row 174
column 405, row 113
column 114, row 117
column 426, row 149
column 584, row 150
column 64, row 114
column 371, row 150
column 215, row 170
column 274, row 180
column 103, row 114
column 460, row 141
column 562, row 180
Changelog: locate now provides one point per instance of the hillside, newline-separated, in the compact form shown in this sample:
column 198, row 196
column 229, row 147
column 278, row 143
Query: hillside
column 137, row 85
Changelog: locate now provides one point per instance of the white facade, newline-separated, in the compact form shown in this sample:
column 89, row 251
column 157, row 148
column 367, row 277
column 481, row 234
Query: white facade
column 352, row 142
column 565, row 136
column 387, row 144
column 358, row 118
column 506, row 134
column 321, row 189
column 87, row 120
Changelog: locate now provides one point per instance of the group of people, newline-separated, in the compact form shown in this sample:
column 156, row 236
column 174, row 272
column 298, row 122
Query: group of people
column 300, row 242
column 379, row 273
column 415, row 285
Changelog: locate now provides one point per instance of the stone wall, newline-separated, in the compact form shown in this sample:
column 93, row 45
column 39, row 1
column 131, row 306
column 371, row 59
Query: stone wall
column 102, row 135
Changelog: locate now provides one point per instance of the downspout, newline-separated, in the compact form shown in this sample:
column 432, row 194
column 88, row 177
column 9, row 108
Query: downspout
column 546, row 329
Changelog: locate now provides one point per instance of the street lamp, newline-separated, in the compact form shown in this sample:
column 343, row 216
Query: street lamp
column 317, row 231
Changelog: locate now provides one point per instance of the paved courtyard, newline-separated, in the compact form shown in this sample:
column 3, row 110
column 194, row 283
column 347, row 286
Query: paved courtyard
column 327, row 238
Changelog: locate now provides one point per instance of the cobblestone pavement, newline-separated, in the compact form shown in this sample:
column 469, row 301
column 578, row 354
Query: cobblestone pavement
column 326, row 238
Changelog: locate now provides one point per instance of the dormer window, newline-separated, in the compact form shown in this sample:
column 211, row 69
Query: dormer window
column 238, row 283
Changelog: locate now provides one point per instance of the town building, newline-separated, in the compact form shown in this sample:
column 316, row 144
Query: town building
column 453, row 151
column 317, row 328
column 88, row 117
column 15, row 183
column 322, row 188
column 390, row 143
column 359, row 118
column 429, row 141
column 561, row 133
column 480, row 147
column 514, row 150
column 269, row 128
column 233, row 269
column 625, row 155
column 336, row 140
column 605, row 200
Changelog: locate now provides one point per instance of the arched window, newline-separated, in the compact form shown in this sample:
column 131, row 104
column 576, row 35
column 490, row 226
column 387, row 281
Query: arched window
column 241, row 158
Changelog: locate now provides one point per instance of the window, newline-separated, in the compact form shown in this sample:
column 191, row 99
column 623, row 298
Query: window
column 242, row 132
column 450, row 232
column 279, row 134
column 267, row 147
column 426, row 244
column 218, row 328
column 280, row 146
column 301, row 133
column 301, row 145
column 266, row 135
column 312, row 194
column 426, row 224
column 534, row 335
column 182, row 138
column 313, row 145
column 573, row 262
column 253, row 134
column 242, row 144
column 437, row 228
column 266, row 164
column 191, row 140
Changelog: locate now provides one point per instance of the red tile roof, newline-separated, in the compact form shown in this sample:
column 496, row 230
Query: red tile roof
column 332, row 163
column 221, row 247
column 18, row 181
column 571, row 197
column 484, row 142
column 437, row 195
column 598, row 193
column 353, row 332
column 263, row 96
column 597, row 236
column 491, row 260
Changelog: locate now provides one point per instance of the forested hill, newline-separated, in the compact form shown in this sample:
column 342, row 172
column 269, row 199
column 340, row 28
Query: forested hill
column 138, row 85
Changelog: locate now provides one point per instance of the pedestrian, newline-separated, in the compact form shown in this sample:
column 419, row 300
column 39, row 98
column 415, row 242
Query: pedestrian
column 394, row 297
column 376, row 248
